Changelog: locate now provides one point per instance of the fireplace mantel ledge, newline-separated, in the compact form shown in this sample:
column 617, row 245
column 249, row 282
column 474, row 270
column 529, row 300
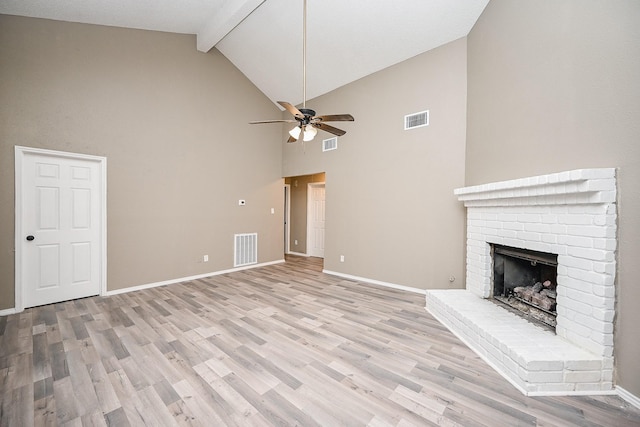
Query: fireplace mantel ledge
column 580, row 186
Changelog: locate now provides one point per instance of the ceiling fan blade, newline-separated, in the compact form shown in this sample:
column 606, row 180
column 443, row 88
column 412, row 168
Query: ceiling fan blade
column 258, row 122
column 292, row 109
column 292, row 139
column 335, row 118
column 327, row 128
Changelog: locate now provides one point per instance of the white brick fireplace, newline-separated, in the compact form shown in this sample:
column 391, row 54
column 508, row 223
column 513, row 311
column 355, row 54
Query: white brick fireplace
column 571, row 214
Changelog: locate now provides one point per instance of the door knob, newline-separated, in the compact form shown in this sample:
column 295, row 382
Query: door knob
column 30, row 238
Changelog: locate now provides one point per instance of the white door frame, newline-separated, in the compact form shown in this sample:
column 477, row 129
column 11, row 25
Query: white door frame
column 20, row 153
column 309, row 209
column 287, row 218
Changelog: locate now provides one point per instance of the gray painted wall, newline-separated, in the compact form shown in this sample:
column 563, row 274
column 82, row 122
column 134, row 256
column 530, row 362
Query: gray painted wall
column 179, row 156
column 390, row 208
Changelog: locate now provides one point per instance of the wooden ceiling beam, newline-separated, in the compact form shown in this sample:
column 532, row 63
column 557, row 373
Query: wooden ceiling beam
column 228, row 17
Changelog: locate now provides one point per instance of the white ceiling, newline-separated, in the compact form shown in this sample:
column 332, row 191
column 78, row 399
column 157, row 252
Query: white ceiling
column 346, row 39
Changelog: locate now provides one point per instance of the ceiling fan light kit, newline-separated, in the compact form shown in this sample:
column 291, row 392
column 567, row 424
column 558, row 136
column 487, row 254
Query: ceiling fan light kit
column 295, row 132
column 309, row 133
column 308, row 122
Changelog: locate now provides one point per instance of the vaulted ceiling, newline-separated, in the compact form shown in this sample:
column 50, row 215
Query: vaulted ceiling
column 346, row 39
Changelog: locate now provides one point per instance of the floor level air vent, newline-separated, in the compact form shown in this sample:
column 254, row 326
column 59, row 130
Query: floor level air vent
column 330, row 144
column 416, row 120
column 245, row 249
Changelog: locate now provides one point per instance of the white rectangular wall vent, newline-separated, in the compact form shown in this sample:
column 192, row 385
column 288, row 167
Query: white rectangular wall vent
column 330, row 144
column 416, row 120
column 245, row 249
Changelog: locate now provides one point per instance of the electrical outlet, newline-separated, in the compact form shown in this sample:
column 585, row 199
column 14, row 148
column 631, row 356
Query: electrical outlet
column 295, row 242
column 341, row 258
column 205, row 258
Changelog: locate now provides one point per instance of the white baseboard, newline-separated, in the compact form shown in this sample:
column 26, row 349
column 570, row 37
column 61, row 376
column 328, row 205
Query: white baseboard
column 186, row 279
column 8, row 311
column 376, row 282
column 631, row 398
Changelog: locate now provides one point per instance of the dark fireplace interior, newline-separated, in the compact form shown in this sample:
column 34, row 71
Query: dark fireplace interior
column 525, row 281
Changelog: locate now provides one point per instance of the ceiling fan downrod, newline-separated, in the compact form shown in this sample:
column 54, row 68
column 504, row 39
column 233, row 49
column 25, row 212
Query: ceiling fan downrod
column 307, row 121
column 304, row 55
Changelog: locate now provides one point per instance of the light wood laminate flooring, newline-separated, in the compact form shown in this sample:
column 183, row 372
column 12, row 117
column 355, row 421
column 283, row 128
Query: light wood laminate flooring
column 281, row 345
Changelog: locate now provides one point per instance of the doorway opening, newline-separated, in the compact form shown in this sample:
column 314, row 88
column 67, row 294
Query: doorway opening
column 304, row 230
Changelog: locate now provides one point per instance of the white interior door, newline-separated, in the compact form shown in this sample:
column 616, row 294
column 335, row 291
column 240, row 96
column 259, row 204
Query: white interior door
column 59, row 228
column 315, row 219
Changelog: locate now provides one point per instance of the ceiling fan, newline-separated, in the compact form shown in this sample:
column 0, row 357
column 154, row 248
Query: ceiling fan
column 308, row 122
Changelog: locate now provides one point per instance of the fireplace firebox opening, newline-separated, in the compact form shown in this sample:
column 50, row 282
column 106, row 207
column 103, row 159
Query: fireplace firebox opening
column 525, row 281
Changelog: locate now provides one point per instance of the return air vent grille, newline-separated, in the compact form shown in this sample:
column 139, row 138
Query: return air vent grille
column 416, row 120
column 330, row 144
column 245, row 249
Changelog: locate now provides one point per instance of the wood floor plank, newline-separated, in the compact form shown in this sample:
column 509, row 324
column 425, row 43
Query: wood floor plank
column 117, row 417
column 41, row 361
column 66, row 407
column 324, row 409
column 134, row 410
column 59, row 366
column 44, row 411
column 272, row 414
column 21, row 413
column 83, row 388
column 153, row 403
column 196, row 406
column 19, row 371
column 279, row 345
column 107, row 398
column 235, row 409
